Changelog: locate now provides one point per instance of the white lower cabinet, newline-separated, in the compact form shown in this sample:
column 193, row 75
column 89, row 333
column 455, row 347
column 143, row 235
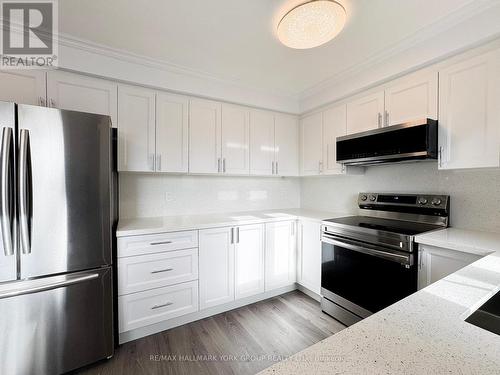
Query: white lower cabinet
column 216, row 266
column 137, row 310
column 436, row 263
column 309, row 255
column 249, row 260
column 280, row 258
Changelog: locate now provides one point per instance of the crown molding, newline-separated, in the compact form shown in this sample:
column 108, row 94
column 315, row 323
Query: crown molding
column 467, row 12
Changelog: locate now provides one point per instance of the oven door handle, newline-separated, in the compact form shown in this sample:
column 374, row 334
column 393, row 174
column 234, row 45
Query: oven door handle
column 355, row 246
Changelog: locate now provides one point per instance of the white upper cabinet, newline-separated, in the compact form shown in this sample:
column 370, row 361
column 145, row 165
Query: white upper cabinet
column 286, row 140
column 136, row 129
column 235, row 140
column 249, row 260
column 334, row 125
column 411, row 98
column 280, row 258
column 23, row 86
column 469, row 113
column 80, row 93
column 216, row 266
column 365, row 113
column 261, row 142
column 204, row 136
column 172, row 127
column 311, row 136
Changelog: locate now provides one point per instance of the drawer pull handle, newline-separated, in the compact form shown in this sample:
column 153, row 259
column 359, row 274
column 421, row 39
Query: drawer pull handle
column 160, row 243
column 164, row 270
column 162, row 305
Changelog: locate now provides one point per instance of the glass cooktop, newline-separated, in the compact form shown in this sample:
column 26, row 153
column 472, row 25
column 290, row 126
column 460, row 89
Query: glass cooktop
column 387, row 225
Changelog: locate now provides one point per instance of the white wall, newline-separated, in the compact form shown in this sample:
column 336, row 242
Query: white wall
column 145, row 195
column 475, row 194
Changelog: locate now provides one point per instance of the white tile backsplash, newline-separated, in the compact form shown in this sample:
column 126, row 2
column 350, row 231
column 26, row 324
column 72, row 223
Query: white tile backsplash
column 145, row 195
column 475, row 194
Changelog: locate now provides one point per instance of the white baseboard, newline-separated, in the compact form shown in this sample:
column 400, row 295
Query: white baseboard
column 172, row 323
column 309, row 292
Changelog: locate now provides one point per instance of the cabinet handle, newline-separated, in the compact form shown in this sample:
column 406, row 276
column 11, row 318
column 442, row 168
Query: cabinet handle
column 386, row 118
column 320, row 166
column 277, row 168
column 379, row 119
column 218, row 165
column 224, row 165
column 238, row 235
column 343, row 168
column 232, row 235
column 162, row 305
column 440, row 156
column 158, row 162
column 41, row 100
column 160, row 243
column 164, row 270
column 152, row 162
column 52, row 103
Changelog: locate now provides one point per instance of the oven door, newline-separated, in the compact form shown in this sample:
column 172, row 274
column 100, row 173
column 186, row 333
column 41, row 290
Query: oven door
column 369, row 276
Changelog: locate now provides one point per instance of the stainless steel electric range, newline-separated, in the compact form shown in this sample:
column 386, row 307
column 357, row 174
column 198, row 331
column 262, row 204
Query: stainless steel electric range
column 370, row 261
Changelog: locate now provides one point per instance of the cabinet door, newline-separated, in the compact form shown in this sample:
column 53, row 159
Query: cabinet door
column 172, row 133
column 280, row 254
column 80, row 93
column 216, row 266
column 469, row 113
column 286, row 143
column 309, row 262
column 136, row 129
column 311, row 135
column 413, row 98
column 23, row 86
column 235, row 140
column 204, row 136
column 249, row 260
column 436, row 263
column 334, row 125
column 365, row 113
column 261, row 142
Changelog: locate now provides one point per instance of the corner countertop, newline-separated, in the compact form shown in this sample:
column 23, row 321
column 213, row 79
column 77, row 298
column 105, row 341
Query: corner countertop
column 467, row 241
column 151, row 225
column 424, row 333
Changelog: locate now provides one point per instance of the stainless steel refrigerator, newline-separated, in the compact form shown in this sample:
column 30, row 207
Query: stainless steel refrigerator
column 56, row 301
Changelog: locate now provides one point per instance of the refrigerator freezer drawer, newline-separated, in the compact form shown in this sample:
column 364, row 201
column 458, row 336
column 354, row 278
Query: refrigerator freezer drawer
column 136, row 274
column 156, row 243
column 141, row 309
column 56, row 324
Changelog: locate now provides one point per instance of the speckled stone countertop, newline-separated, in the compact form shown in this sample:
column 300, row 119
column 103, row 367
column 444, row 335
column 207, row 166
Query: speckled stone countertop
column 150, row 225
column 424, row 333
column 467, row 241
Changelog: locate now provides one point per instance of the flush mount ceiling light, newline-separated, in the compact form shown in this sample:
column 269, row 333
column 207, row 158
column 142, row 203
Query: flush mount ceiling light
column 311, row 24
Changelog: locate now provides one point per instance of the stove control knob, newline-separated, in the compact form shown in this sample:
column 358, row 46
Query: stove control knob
column 364, row 197
column 422, row 201
column 436, row 201
column 373, row 198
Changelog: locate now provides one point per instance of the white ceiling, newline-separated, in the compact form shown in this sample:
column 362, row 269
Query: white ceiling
column 235, row 40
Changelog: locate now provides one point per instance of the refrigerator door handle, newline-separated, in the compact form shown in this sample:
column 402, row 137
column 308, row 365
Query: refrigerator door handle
column 7, row 191
column 40, row 285
column 24, row 191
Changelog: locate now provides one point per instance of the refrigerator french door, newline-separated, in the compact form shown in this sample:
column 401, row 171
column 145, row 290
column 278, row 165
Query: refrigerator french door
column 56, row 227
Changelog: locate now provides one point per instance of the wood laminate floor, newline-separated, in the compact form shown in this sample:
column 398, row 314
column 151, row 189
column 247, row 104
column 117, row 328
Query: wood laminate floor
column 241, row 341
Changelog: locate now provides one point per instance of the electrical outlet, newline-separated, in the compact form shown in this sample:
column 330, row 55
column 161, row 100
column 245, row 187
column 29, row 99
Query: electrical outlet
column 169, row 197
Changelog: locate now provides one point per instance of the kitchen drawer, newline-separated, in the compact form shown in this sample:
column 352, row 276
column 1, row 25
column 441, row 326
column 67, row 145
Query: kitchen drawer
column 150, row 271
column 153, row 306
column 156, row 243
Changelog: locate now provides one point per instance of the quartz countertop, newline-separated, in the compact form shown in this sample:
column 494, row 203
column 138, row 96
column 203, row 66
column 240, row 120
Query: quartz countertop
column 150, row 225
column 467, row 241
column 424, row 333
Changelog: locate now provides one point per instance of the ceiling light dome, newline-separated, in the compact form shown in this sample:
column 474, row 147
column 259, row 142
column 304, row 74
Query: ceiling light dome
column 311, row 24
